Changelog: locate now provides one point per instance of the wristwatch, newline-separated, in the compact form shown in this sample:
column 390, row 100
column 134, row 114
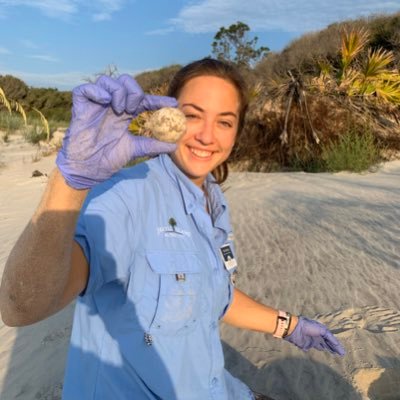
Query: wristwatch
column 282, row 324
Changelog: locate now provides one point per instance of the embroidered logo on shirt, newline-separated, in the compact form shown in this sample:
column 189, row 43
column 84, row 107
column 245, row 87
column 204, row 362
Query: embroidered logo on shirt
column 167, row 231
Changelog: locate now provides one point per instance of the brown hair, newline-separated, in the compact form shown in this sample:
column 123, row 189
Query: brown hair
column 211, row 67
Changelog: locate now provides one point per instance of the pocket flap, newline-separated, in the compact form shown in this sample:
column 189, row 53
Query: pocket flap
column 173, row 263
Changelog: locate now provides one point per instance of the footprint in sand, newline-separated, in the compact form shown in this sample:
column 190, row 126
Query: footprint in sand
column 378, row 383
column 372, row 318
column 372, row 383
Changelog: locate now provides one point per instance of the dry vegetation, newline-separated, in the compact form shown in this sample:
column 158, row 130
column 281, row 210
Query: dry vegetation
column 320, row 91
column 329, row 92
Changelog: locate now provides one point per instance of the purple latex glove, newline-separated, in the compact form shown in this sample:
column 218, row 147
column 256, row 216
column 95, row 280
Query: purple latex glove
column 97, row 143
column 312, row 334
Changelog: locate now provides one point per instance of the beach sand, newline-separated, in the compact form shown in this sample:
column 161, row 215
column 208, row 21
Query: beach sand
column 326, row 246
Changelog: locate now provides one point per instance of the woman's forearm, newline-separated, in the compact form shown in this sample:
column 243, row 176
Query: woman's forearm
column 38, row 266
column 247, row 313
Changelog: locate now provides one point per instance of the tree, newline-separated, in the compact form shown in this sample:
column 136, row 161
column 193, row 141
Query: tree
column 232, row 44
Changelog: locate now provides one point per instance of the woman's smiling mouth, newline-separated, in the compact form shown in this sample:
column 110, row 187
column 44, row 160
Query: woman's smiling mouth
column 201, row 153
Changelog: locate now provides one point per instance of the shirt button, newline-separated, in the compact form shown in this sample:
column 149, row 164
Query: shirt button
column 214, row 381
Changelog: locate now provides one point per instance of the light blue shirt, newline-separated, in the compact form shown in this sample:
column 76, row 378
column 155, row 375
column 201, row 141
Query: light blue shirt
column 147, row 325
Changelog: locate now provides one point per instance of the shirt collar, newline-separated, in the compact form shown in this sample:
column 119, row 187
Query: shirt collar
column 193, row 196
column 218, row 203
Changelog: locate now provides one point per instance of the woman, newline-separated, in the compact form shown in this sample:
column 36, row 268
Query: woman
column 149, row 250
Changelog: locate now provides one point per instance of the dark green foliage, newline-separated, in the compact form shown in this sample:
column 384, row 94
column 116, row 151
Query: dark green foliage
column 52, row 103
column 232, row 44
column 386, row 33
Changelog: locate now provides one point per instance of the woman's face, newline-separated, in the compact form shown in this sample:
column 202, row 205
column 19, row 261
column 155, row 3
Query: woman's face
column 211, row 106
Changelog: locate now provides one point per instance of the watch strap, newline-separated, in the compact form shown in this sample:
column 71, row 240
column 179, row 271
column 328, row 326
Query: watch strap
column 282, row 324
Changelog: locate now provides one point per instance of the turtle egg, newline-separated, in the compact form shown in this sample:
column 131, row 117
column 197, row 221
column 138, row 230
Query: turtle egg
column 167, row 124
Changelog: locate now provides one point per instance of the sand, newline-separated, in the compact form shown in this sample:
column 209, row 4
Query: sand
column 326, row 246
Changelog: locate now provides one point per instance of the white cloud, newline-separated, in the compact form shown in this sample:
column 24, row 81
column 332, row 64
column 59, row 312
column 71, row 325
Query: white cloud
column 106, row 8
column 43, row 57
column 4, row 51
column 268, row 15
column 99, row 9
column 51, row 8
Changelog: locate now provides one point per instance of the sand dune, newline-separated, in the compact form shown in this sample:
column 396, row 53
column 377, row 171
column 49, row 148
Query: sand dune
column 322, row 245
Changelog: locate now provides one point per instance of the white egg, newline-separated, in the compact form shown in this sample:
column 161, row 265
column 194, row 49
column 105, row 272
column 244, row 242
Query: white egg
column 167, row 124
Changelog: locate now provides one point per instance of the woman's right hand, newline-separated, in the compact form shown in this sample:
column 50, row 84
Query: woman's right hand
column 97, row 144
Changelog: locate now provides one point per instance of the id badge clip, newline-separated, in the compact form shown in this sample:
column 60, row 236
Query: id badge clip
column 228, row 257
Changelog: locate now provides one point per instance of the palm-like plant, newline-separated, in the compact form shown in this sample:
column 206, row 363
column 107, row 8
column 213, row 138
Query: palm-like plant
column 374, row 78
column 352, row 44
column 371, row 78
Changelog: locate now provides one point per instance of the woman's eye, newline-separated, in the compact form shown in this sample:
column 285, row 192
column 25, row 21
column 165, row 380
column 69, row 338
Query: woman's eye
column 190, row 116
column 226, row 124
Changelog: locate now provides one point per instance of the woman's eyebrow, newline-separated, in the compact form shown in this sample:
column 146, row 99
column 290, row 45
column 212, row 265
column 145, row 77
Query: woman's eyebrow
column 225, row 113
column 229, row 113
column 193, row 105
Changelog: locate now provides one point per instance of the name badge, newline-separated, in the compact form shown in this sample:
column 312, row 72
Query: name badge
column 228, row 257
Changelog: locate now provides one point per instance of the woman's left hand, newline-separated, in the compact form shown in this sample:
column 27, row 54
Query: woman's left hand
column 310, row 334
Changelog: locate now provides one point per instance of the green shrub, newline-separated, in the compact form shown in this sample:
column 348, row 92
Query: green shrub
column 354, row 151
column 10, row 122
column 386, row 33
column 35, row 132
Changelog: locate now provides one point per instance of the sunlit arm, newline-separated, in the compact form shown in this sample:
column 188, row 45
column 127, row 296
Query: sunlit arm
column 247, row 313
column 46, row 268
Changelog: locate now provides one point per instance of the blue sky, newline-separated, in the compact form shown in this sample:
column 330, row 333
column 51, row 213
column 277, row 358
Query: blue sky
column 59, row 43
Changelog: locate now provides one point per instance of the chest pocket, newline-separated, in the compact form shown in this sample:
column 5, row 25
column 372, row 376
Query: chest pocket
column 179, row 285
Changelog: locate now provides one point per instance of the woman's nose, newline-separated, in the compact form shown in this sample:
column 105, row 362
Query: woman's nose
column 205, row 134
